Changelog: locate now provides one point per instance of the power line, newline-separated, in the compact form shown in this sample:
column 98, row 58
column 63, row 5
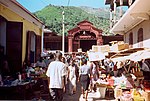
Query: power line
column 68, row 2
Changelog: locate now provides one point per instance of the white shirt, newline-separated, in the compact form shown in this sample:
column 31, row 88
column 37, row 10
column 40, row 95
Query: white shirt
column 56, row 71
column 72, row 73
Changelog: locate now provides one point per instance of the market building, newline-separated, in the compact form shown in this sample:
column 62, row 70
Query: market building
column 20, row 34
column 52, row 41
column 78, row 37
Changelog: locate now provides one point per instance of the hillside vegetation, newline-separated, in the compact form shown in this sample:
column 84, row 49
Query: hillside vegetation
column 52, row 17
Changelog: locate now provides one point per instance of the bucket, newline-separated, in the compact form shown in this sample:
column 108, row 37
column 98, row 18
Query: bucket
column 102, row 91
column 117, row 93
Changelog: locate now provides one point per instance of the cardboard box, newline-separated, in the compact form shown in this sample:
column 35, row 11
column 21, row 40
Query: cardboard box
column 103, row 48
column 146, row 95
column 118, row 47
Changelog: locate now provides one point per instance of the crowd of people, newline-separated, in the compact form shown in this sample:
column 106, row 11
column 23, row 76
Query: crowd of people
column 67, row 70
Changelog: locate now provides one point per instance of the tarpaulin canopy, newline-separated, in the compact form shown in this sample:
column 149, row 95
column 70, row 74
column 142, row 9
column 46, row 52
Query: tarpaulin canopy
column 96, row 56
column 123, row 58
column 126, row 52
column 138, row 56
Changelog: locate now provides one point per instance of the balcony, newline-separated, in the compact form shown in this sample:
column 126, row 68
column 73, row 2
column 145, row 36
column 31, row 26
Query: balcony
column 138, row 12
column 117, row 9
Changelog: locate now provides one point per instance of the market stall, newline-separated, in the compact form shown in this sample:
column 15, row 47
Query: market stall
column 136, row 83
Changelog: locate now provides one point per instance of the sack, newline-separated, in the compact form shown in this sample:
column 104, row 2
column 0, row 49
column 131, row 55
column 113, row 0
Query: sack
column 138, row 74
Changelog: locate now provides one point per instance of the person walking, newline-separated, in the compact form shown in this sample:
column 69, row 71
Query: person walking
column 56, row 78
column 84, row 73
column 94, row 75
column 72, row 77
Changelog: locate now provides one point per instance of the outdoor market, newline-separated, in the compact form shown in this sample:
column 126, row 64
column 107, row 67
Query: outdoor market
column 65, row 50
column 129, row 72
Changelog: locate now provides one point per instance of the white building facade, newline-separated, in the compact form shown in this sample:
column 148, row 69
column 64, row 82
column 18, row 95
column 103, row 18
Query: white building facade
column 135, row 24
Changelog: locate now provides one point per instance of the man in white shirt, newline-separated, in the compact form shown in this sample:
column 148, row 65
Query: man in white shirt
column 56, row 73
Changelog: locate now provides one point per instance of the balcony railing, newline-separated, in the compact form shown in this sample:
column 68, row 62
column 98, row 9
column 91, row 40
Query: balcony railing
column 115, row 13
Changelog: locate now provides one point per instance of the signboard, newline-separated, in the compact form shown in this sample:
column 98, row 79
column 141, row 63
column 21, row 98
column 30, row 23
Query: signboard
column 79, row 50
column 103, row 48
column 96, row 56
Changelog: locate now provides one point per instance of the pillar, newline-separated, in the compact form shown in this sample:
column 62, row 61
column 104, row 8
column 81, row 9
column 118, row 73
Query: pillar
column 130, row 2
column 121, row 10
column 115, row 8
column 70, row 41
column 111, row 19
column 99, row 41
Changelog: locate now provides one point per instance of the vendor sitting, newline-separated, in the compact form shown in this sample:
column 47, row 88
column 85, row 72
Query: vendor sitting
column 110, row 79
column 4, row 66
column 40, row 63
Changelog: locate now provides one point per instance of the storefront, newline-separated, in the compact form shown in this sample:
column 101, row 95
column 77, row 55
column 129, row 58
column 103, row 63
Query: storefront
column 20, row 34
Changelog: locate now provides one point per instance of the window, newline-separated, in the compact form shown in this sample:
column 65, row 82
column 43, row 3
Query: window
column 140, row 37
column 131, row 38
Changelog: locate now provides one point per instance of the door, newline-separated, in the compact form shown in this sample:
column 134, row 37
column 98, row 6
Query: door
column 38, row 47
column 30, row 48
column 14, row 45
column 87, row 44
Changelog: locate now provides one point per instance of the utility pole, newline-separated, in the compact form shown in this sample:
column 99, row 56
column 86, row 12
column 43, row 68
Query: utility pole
column 63, row 32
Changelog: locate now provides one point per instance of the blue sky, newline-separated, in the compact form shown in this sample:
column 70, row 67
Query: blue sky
column 35, row 5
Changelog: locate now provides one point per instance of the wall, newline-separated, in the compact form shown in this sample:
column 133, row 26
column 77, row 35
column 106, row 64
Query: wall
column 146, row 34
column 27, row 26
column 3, row 31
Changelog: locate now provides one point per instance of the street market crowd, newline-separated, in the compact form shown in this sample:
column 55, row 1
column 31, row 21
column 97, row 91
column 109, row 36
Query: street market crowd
column 68, row 69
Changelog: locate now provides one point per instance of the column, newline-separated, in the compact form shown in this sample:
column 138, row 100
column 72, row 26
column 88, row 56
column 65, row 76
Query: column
column 115, row 8
column 130, row 2
column 111, row 19
column 121, row 11
column 70, row 40
column 99, row 41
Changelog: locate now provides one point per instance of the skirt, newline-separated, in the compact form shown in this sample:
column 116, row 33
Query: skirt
column 85, row 81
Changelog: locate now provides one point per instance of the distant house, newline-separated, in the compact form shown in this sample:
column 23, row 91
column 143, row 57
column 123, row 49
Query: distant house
column 134, row 24
column 20, row 34
column 52, row 41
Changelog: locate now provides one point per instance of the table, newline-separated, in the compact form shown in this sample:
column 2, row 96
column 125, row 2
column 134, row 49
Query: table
column 17, row 92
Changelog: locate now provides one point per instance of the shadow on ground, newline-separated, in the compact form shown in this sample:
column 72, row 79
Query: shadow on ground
column 92, row 96
column 74, row 97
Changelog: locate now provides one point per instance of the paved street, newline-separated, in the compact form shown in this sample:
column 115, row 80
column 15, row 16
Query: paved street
column 92, row 96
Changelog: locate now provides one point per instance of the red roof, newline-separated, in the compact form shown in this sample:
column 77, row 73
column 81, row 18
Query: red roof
column 84, row 21
column 84, row 24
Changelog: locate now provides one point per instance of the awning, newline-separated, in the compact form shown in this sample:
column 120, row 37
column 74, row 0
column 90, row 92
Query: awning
column 123, row 58
column 96, row 56
column 128, row 54
column 138, row 56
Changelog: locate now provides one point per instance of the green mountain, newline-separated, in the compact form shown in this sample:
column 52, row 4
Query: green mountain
column 100, row 12
column 52, row 17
